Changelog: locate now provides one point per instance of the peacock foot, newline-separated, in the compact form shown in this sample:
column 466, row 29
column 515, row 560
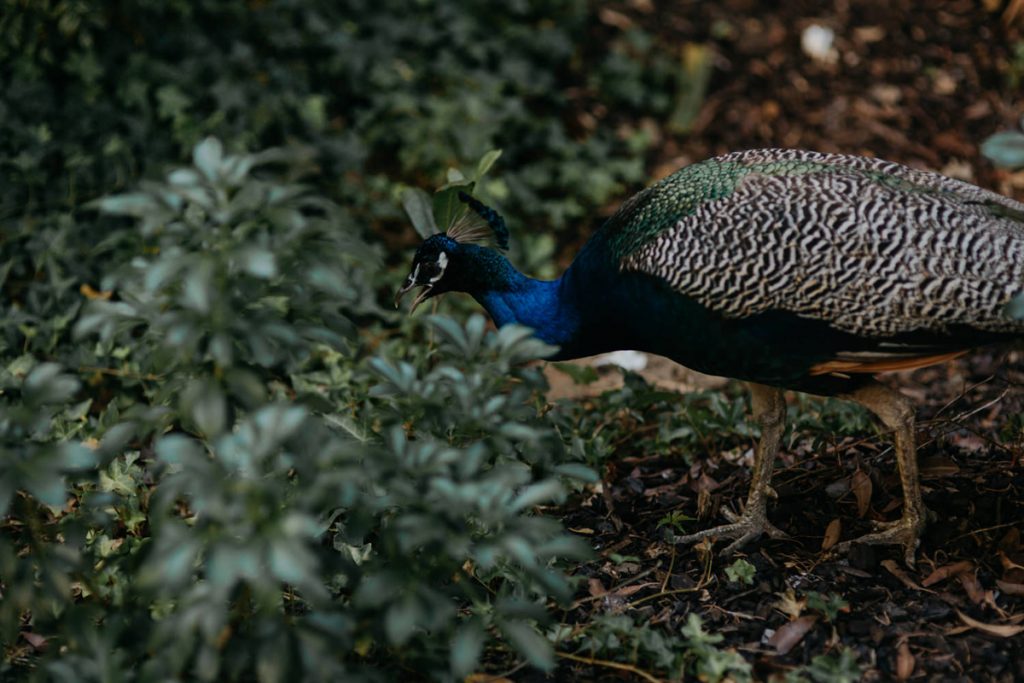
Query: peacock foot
column 905, row 531
column 743, row 529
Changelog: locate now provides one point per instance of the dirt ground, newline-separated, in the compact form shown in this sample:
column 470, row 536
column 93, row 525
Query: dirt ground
column 958, row 615
column 919, row 83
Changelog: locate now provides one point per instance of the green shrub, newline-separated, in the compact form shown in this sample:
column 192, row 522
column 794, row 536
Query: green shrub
column 274, row 501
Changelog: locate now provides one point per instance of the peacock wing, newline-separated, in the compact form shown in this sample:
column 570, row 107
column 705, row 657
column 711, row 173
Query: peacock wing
column 875, row 249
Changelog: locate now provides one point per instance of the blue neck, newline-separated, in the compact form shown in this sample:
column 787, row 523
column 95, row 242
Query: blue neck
column 535, row 303
column 560, row 311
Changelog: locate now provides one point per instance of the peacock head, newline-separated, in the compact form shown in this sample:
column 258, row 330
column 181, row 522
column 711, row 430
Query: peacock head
column 447, row 262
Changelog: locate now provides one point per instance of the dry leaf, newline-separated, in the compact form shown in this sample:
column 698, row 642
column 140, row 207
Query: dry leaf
column 893, row 568
column 999, row 630
column 90, row 293
column 938, row 466
column 789, row 605
column 1012, row 11
column 703, row 504
column 860, row 483
column 485, row 678
column 613, row 18
column 1008, row 562
column 989, row 599
column 943, row 573
column 832, row 532
column 1010, row 542
column 596, row 588
column 904, row 662
column 787, row 637
column 969, row 442
column 37, row 641
column 626, row 591
column 1011, row 588
column 973, row 587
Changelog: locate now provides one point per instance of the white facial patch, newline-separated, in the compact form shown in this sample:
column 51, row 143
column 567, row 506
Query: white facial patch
column 442, row 263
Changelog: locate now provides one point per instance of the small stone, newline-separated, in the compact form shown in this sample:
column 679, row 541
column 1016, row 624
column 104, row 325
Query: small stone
column 817, row 43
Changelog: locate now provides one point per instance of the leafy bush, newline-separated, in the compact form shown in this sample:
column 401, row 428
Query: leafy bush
column 270, row 503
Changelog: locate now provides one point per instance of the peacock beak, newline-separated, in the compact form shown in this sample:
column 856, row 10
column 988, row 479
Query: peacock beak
column 409, row 284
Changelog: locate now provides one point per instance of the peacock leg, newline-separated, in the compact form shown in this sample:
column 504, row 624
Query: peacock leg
column 769, row 409
column 896, row 412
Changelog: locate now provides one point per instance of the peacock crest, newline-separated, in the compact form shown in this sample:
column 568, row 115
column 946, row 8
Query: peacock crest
column 484, row 226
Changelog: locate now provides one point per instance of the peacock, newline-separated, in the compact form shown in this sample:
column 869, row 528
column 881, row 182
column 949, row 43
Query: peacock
column 787, row 269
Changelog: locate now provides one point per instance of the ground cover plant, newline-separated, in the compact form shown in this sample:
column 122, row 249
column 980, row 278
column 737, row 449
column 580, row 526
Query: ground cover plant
column 223, row 456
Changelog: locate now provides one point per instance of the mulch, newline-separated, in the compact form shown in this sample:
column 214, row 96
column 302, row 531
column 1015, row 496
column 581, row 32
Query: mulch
column 958, row 615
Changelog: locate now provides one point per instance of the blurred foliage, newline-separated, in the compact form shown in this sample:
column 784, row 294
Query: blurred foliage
column 250, row 497
column 1005, row 148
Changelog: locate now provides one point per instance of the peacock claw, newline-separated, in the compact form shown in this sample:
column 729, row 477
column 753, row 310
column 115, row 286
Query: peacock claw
column 905, row 531
column 743, row 529
column 880, row 525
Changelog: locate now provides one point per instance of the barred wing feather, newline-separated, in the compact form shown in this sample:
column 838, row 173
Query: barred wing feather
column 872, row 248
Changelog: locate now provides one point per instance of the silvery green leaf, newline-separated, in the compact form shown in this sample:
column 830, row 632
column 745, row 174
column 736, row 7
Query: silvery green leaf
column 273, row 661
column 197, row 290
column 135, row 204
column 229, row 563
column 117, row 437
column 291, row 562
column 183, row 176
column 546, row 491
column 578, row 471
column 1005, row 149
column 173, row 558
column 177, row 449
column 210, row 412
column 451, row 330
column 476, row 327
column 160, row 272
column 207, row 157
column 376, row 590
column 486, row 162
column 448, row 208
column 259, row 262
column 236, row 167
column 467, row 644
column 565, row 547
column 417, row 206
column 222, row 350
column 47, row 487
column 402, row 619
column 46, row 384
column 531, row 645
column 74, row 457
column 348, row 424
column 278, row 422
column 1015, row 309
